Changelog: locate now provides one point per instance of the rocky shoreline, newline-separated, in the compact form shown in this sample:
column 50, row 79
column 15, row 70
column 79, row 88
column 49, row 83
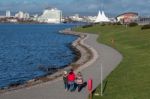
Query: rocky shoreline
column 84, row 54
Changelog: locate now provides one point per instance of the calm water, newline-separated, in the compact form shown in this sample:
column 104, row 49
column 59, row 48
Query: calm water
column 25, row 48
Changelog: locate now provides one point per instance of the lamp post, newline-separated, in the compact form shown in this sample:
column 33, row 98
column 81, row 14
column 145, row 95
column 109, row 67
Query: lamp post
column 101, row 80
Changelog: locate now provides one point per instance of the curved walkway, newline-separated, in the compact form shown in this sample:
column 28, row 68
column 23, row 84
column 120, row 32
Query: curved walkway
column 109, row 57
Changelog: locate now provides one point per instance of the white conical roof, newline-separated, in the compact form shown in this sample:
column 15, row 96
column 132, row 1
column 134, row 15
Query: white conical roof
column 103, row 14
column 101, row 17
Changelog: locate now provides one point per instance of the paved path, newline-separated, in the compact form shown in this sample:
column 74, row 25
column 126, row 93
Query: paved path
column 109, row 57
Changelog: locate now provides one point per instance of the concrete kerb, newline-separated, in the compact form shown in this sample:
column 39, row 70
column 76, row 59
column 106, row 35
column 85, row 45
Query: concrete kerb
column 81, row 39
column 94, row 55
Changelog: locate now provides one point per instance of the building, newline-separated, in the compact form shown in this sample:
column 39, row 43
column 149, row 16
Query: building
column 26, row 16
column 51, row 15
column 76, row 17
column 19, row 15
column 22, row 15
column 127, row 17
column 101, row 17
column 8, row 14
column 34, row 17
column 143, row 20
column 90, row 19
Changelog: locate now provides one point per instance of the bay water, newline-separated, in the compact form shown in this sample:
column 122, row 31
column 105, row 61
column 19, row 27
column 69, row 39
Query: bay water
column 27, row 48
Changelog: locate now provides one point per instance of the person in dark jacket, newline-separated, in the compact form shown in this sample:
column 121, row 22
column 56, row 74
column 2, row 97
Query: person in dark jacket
column 65, row 79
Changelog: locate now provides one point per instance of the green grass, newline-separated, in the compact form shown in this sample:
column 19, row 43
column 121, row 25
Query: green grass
column 131, row 79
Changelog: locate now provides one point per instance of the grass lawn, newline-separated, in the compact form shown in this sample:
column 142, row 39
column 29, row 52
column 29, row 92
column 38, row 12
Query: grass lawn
column 131, row 79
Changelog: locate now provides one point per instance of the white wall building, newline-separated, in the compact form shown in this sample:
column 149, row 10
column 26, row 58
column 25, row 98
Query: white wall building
column 91, row 18
column 26, row 15
column 51, row 16
column 22, row 15
column 76, row 17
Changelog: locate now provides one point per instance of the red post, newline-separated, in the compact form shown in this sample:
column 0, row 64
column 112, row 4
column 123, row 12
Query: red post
column 90, row 85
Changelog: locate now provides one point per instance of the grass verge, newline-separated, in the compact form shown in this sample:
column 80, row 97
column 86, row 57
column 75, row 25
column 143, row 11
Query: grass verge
column 131, row 79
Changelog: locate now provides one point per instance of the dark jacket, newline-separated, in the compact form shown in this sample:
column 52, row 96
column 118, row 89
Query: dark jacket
column 65, row 79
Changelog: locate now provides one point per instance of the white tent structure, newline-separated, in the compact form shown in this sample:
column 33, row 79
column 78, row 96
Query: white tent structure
column 101, row 17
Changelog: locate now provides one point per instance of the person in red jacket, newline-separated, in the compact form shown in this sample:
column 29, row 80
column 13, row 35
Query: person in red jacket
column 71, row 80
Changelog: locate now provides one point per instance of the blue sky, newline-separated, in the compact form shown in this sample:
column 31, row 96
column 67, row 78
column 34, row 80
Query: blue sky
column 78, row 6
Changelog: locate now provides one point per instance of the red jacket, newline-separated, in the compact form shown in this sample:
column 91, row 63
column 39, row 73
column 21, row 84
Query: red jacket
column 71, row 77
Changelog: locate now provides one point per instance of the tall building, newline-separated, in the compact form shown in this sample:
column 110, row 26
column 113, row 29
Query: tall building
column 52, row 15
column 8, row 14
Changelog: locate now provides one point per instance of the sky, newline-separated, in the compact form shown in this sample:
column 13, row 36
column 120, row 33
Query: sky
column 83, row 7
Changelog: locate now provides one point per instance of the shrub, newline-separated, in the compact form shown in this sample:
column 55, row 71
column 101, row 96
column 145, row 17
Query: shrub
column 86, row 26
column 133, row 24
column 145, row 27
column 118, row 23
column 103, row 24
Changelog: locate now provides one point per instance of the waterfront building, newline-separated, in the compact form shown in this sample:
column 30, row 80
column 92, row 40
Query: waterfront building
column 143, row 20
column 22, row 15
column 8, row 13
column 19, row 14
column 12, row 20
column 76, row 17
column 127, row 17
column 34, row 17
column 91, row 18
column 101, row 17
column 26, row 15
column 51, row 15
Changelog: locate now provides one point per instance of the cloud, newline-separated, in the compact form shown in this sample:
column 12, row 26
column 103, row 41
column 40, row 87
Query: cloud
column 93, row 6
column 120, row 6
column 83, row 6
